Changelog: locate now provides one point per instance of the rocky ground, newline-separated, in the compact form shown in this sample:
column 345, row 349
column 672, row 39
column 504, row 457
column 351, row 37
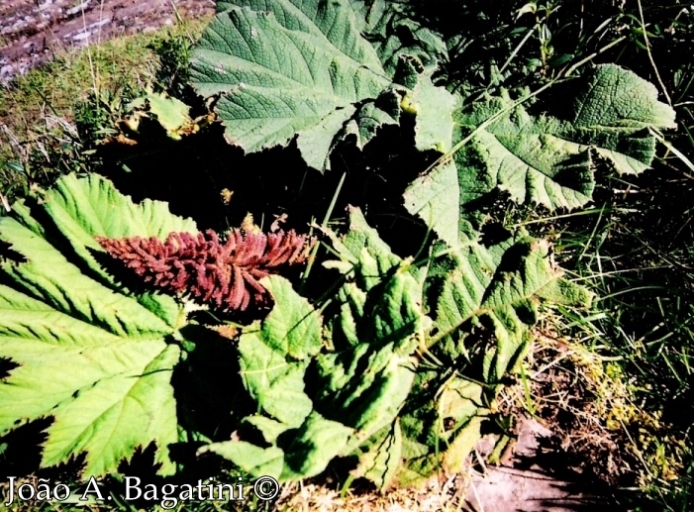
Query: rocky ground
column 32, row 30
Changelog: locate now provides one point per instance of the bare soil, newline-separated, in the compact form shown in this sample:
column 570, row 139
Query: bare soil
column 31, row 31
column 523, row 482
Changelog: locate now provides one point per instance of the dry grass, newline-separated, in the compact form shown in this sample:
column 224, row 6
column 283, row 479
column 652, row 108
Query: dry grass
column 599, row 430
column 438, row 495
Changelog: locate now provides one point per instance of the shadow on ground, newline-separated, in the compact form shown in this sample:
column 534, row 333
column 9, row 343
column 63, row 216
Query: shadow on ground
column 526, row 482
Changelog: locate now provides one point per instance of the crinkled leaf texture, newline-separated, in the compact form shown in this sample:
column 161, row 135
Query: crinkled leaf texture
column 504, row 284
column 430, row 418
column 291, row 68
column 274, row 355
column 91, row 355
column 544, row 160
column 370, row 398
column 393, row 29
column 496, row 289
column 376, row 333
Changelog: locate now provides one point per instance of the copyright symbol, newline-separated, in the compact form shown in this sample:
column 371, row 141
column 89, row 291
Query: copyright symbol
column 266, row 488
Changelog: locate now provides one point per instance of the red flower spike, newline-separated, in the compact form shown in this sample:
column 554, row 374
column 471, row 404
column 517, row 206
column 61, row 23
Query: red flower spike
column 224, row 275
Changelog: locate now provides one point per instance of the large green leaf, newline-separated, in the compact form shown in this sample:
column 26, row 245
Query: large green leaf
column 286, row 67
column 303, row 68
column 273, row 355
column 94, row 358
column 358, row 388
column 381, row 323
column 505, row 284
column 544, row 160
column 274, row 359
column 382, row 335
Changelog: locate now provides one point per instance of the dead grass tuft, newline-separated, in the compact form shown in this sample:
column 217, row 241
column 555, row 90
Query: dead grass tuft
column 599, row 429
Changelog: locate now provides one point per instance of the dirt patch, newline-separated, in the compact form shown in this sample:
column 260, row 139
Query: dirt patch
column 31, row 31
column 520, row 483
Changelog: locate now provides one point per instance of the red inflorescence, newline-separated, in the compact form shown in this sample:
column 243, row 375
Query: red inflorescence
column 222, row 274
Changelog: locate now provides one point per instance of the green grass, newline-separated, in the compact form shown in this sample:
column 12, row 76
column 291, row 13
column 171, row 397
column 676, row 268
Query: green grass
column 634, row 250
column 44, row 114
